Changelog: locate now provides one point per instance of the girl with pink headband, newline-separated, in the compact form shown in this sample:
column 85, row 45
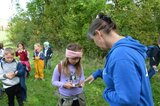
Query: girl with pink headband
column 68, row 76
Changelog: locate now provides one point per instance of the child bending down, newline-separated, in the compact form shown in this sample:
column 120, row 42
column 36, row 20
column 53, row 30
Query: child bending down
column 68, row 76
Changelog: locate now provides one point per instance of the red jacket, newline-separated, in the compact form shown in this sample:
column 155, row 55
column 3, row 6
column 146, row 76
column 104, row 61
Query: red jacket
column 23, row 55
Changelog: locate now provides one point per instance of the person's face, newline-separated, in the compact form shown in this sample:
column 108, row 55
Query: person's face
column 20, row 46
column 36, row 47
column 73, row 60
column 9, row 57
column 99, row 39
column 45, row 46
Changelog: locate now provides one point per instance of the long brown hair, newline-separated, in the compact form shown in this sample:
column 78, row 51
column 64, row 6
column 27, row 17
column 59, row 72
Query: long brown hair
column 74, row 47
column 21, row 43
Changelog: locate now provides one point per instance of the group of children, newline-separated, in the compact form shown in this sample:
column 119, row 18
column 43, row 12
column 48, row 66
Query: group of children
column 13, row 73
column 68, row 75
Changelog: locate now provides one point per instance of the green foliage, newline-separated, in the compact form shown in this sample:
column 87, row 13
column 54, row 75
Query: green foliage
column 61, row 22
column 137, row 20
column 58, row 21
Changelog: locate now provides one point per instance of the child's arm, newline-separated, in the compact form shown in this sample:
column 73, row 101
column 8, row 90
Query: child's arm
column 4, row 76
column 25, row 52
column 51, row 53
column 20, row 70
column 17, row 53
column 56, row 78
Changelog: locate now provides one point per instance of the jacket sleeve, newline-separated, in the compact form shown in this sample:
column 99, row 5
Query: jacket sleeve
column 50, row 52
column 25, row 52
column 1, row 73
column 56, row 78
column 97, row 73
column 20, row 69
column 17, row 54
column 127, row 84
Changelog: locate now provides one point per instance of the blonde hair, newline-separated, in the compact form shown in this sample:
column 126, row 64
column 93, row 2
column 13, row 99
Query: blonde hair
column 74, row 47
column 37, row 44
column 8, row 50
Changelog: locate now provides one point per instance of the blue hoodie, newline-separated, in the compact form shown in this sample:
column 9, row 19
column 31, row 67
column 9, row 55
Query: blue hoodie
column 125, row 75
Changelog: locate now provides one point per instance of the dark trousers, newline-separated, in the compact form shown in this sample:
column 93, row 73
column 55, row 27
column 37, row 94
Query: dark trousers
column 12, row 92
column 47, row 63
column 75, row 102
column 1, row 92
column 24, row 93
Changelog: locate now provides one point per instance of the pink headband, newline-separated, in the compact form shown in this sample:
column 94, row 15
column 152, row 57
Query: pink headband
column 73, row 54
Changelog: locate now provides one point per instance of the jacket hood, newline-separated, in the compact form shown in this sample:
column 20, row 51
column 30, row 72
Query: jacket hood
column 128, row 41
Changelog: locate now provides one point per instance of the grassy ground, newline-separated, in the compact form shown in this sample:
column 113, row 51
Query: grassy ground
column 42, row 93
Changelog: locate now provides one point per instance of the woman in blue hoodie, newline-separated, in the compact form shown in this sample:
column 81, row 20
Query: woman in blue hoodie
column 124, row 73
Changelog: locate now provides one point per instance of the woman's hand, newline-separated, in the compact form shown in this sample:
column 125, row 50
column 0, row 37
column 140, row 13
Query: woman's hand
column 68, row 85
column 90, row 79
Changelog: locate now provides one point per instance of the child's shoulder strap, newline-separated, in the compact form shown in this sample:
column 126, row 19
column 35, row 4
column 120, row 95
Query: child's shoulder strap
column 60, row 69
column 1, row 64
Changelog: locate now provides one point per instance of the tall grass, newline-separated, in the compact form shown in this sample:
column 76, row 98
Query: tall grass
column 42, row 93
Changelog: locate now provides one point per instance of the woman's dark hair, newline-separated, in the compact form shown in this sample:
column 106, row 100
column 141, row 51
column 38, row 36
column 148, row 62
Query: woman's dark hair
column 1, row 45
column 102, row 22
column 21, row 44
